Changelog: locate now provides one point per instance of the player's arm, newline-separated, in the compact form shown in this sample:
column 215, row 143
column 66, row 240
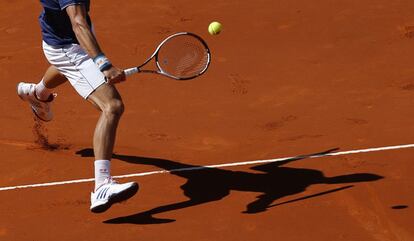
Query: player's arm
column 77, row 14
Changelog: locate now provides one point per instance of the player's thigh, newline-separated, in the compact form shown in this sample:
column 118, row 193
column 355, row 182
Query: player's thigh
column 107, row 98
column 74, row 63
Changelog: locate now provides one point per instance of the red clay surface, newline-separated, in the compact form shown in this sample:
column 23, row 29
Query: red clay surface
column 287, row 78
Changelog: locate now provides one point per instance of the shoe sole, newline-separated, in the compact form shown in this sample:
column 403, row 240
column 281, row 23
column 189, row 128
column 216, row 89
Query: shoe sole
column 122, row 196
column 34, row 112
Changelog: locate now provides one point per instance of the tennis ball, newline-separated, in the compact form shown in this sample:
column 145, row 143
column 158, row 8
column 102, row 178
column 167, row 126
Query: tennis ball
column 215, row 28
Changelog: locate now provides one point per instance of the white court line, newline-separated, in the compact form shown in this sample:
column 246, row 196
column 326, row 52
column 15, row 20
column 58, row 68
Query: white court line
column 213, row 166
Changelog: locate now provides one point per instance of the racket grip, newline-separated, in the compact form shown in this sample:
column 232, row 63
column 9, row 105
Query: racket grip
column 131, row 71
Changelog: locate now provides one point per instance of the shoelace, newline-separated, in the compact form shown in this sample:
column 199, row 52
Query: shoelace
column 107, row 181
column 112, row 181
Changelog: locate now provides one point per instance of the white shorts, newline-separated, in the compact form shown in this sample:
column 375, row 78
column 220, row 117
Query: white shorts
column 75, row 64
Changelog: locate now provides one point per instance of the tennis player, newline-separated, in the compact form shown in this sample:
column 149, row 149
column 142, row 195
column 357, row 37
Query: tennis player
column 72, row 50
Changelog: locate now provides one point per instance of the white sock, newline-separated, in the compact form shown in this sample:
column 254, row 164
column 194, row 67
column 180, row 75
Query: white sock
column 42, row 92
column 102, row 172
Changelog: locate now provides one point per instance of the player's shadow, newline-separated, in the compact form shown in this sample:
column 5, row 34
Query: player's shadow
column 212, row 184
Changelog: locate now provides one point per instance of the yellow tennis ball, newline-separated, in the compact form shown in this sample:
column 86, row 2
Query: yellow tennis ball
column 215, row 28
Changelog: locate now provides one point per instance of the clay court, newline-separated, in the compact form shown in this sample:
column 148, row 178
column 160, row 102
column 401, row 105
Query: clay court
column 287, row 79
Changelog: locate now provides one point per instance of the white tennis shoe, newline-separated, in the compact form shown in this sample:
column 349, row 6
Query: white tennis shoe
column 26, row 91
column 111, row 192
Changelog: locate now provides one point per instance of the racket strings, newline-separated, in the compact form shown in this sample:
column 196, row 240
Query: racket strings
column 183, row 56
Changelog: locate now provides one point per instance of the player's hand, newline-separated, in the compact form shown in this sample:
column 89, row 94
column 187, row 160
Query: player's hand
column 114, row 75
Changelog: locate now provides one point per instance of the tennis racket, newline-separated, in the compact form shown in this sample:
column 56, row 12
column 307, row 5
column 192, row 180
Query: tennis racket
column 181, row 56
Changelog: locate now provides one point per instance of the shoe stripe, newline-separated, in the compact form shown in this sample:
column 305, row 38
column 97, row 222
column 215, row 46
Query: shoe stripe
column 104, row 194
column 101, row 192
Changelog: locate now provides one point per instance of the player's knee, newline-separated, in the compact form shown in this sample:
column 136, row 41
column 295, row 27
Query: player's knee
column 114, row 108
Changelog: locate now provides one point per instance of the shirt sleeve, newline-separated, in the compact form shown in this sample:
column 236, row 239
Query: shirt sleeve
column 65, row 3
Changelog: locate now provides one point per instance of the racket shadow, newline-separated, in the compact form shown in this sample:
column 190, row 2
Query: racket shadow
column 206, row 185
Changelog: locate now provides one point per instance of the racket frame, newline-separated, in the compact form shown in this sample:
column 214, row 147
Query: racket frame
column 160, row 71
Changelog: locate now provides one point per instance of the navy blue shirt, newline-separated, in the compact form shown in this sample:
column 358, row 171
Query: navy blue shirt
column 55, row 23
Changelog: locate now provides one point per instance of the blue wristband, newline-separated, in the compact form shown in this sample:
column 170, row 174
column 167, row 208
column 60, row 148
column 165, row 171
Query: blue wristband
column 102, row 62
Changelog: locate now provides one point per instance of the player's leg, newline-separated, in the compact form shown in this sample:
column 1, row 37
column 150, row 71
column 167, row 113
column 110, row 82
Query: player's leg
column 41, row 95
column 86, row 78
column 53, row 78
column 108, row 100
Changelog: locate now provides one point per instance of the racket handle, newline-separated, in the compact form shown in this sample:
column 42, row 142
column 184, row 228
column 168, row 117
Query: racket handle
column 131, row 71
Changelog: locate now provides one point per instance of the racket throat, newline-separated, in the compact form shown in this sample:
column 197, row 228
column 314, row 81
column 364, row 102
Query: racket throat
column 131, row 71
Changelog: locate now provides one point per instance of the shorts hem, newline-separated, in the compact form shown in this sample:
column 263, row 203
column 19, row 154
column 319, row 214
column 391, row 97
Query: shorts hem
column 93, row 90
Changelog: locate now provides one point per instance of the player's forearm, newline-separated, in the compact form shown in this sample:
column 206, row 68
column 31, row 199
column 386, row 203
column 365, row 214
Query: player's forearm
column 78, row 15
column 86, row 39
column 88, row 42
